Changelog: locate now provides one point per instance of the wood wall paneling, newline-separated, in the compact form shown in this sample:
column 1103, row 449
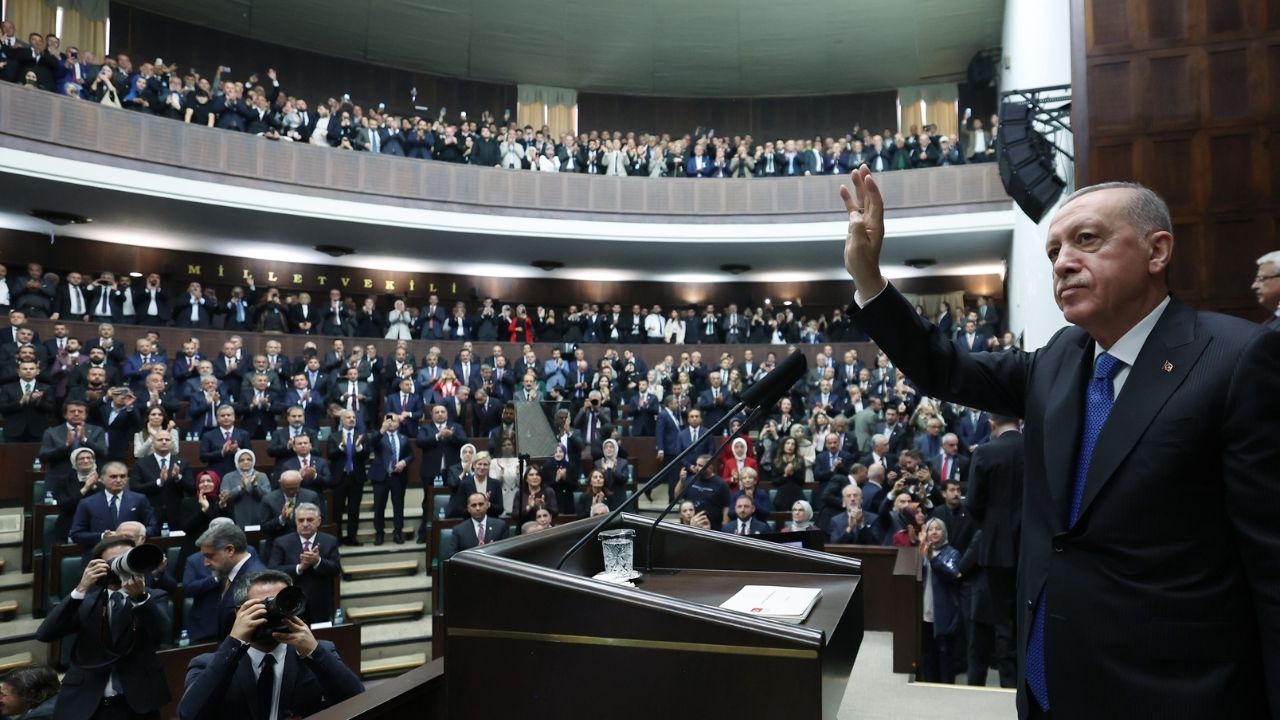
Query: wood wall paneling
column 1184, row 96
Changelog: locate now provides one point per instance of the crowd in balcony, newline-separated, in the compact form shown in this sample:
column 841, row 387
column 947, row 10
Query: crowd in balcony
column 258, row 105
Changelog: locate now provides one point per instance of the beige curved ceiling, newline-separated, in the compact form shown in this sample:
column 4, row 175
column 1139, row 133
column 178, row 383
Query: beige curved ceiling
column 677, row 48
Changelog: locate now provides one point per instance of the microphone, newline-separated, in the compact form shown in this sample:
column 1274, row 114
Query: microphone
column 775, row 384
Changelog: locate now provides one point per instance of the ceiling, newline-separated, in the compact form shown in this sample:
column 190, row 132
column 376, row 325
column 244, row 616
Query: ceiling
column 675, row 48
column 157, row 221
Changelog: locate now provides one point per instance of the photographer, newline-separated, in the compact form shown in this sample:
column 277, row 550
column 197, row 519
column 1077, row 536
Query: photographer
column 312, row 676
column 116, row 626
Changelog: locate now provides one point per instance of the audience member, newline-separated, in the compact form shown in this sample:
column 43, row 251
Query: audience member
column 310, row 558
column 297, row 675
column 479, row 529
column 225, row 550
column 29, row 693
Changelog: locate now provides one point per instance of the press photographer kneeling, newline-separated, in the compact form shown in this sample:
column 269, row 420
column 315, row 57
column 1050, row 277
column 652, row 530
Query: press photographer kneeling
column 270, row 667
column 117, row 625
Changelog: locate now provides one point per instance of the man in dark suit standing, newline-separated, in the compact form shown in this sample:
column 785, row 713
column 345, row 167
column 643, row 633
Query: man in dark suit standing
column 100, row 513
column 950, row 465
column 971, row 340
column 479, row 529
column 667, row 438
column 314, row 470
column 59, row 441
column 228, row 684
column 1139, row 404
column 310, row 557
column 441, row 442
column 27, row 405
column 389, row 475
column 349, row 451
column 715, row 401
column 226, row 552
column 164, row 478
column 116, row 626
column 119, row 419
column 995, row 500
column 218, row 446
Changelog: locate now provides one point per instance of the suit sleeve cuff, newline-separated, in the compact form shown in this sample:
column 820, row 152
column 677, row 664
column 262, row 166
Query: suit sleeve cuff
column 862, row 300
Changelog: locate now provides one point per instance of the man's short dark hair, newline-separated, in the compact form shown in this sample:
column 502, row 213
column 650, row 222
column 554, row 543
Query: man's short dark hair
column 261, row 577
column 949, row 483
column 109, row 542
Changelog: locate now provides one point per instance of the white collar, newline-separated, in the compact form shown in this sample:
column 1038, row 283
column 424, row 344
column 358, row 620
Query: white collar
column 1126, row 349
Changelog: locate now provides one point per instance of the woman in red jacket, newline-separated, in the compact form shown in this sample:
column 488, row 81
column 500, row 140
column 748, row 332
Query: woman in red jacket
column 521, row 326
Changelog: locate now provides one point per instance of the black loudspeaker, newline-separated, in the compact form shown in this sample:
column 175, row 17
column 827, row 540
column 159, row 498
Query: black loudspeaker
column 1026, row 162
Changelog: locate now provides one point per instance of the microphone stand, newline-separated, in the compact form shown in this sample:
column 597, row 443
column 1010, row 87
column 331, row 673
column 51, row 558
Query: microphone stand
column 653, row 481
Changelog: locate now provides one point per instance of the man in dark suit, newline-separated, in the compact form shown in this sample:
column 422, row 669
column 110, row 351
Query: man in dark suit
column 310, row 557
column 307, row 397
column 279, row 504
column 100, row 513
column 643, row 409
column 971, row 340
column 950, row 465
column 314, row 470
column 70, row 300
column 218, row 446
column 479, row 528
column 441, row 442
column 116, row 627
column 431, row 319
column 667, row 438
column 152, row 302
column 715, row 401
column 164, row 478
column 224, row 685
column 406, row 405
column 995, row 500
column 388, row 473
column 58, row 442
column 831, row 461
column 349, row 451
column 1136, row 406
column 744, row 521
column 694, row 434
column 353, row 394
column 226, row 552
column 259, row 407
column 295, row 424
column 228, row 368
column 27, row 405
column 119, row 419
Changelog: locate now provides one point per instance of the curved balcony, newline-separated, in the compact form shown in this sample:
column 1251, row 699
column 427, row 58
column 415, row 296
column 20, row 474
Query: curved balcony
column 75, row 129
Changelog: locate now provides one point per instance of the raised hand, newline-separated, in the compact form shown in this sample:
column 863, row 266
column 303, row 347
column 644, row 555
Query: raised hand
column 866, row 231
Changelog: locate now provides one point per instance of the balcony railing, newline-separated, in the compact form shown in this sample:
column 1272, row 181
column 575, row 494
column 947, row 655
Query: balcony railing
column 56, row 125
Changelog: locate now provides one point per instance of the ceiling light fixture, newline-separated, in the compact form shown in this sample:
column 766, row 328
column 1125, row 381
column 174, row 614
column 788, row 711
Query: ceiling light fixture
column 57, row 217
column 735, row 268
column 335, row 250
column 920, row 263
column 547, row 265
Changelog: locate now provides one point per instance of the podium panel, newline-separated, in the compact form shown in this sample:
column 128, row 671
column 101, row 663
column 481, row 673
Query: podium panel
column 578, row 647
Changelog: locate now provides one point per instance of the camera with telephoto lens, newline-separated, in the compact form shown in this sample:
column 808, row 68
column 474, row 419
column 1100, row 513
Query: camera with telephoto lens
column 139, row 561
column 287, row 604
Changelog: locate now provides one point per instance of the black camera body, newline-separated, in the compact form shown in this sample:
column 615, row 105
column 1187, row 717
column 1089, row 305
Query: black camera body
column 287, row 604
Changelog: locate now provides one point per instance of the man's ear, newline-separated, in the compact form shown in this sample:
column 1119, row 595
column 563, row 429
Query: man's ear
column 1160, row 248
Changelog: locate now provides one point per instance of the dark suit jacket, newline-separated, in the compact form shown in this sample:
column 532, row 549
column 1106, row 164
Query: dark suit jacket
column 464, row 534
column 137, row 666
column 757, row 526
column 226, row 607
column 380, row 467
column 705, row 445
column 316, row 582
column 278, row 447
column 223, row 684
column 165, row 499
column 211, row 449
column 273, row 503
column 324, row 472
column 439, row 454
column 959, row 470
column 1134, row 624
column 55, row 455
column 995, row 498
column 30, row 419
column 119, row 434
column 199, row 584
column 93, row 516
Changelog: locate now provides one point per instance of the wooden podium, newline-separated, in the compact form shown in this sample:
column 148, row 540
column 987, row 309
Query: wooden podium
column 526, row 638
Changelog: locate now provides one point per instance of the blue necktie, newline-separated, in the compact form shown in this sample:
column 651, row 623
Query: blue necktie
column 1099, row 398
column 351, row 451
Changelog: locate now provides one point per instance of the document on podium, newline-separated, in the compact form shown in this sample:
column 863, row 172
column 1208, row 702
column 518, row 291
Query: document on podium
column 788, row 604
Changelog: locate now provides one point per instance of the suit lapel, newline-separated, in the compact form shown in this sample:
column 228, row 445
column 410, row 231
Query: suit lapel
column 1145, row 392
column 1062, row 419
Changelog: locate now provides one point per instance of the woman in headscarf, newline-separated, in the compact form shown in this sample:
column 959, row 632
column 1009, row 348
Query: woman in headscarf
column 941, row 621
column 557, row 473
column 462, row 469
column 79, row 481
column 196, row 511
column 801, row 517
column 245, row 488
column 738, row 460
column 616, row 470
